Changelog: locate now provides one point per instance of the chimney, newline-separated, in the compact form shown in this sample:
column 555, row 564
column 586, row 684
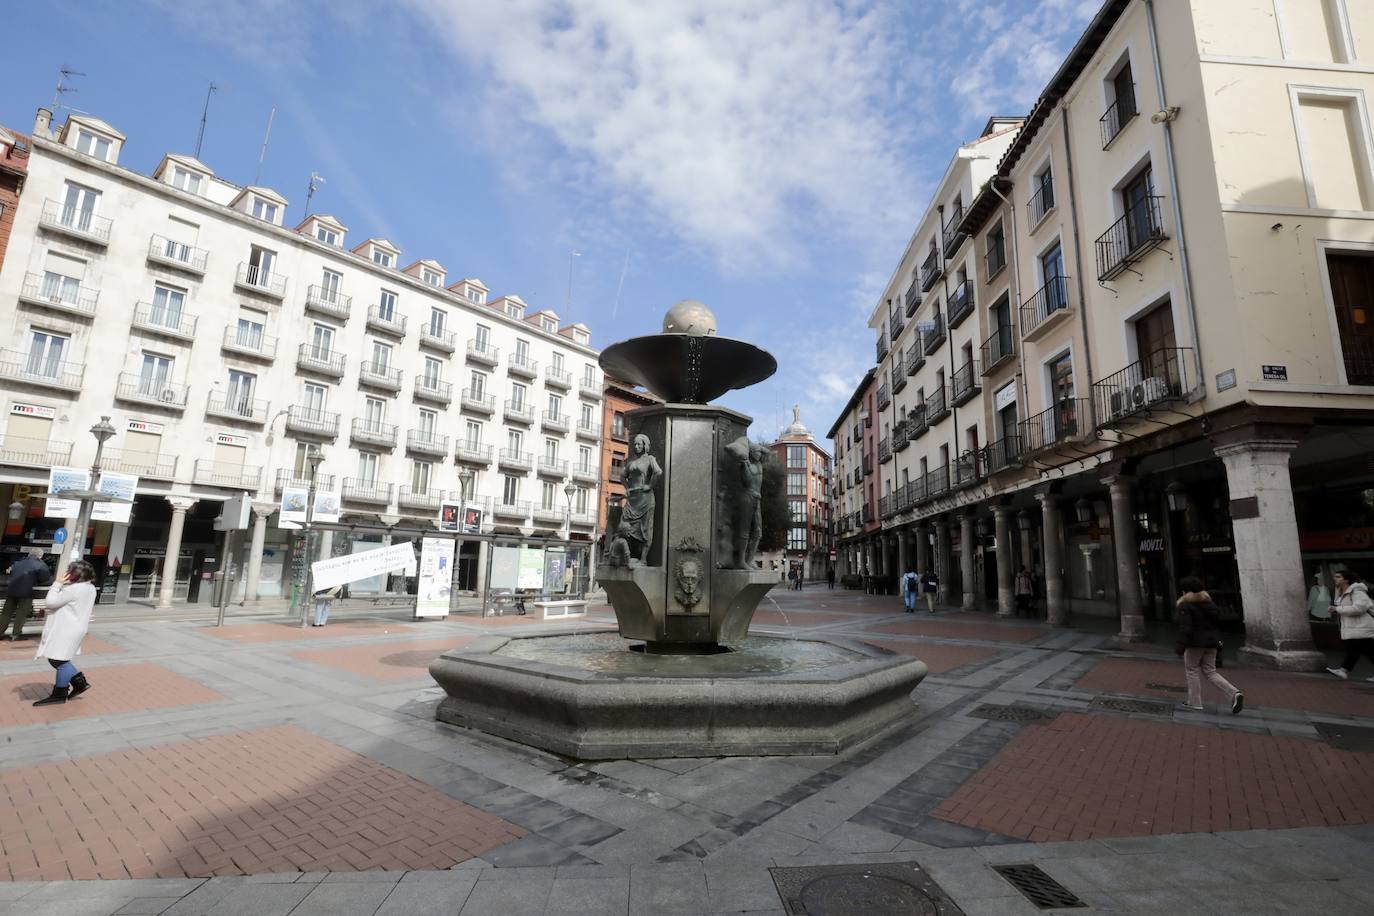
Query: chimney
column 42, row 124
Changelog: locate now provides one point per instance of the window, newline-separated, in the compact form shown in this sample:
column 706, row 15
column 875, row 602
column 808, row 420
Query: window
column 433, row 372
column 796, row 539
column 1121, row 103
column 167, row 305
column 46, row 353
column 381, row 258
column 260, row 263
column 381, row 356
column 522, row 352
column 1137, row 201
column 432, row 277
column 79, row 204
column 328, row 236
column 550, row 450
column 238, row 393
column 477, row 384
column 796, row 484
column 92, row 145
column 438, row 320
column 1042, row 195
column 618, row 425
column 250, row 329
column 1352, row 292
column 588, row 376
column 473, row 433
column 550, row 325
column 796, row 456
column 513, row 310
column 154, row 374
column 997, row 249
column 1065, row 411
column 580, row 501
column 617, row 466
column 584, row 457
column 386, row 306
column 425, row 422
column 482, row 342
column 367, row 469
column 510, row 490
column 547, row 496
column 476, row 295
column 514, row 439
column 420, row 474
column 517, row 396
column 555, row 406
column 186, row 180
column 330, row 281
column 557, row 362
column 314, row 399
column 586, row 421
column 322, row 342
column 62, row 278
column 1052, row 272
column 264, row 210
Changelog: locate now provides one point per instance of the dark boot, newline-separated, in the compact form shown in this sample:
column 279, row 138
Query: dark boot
column 59, row 695
column 79, row 685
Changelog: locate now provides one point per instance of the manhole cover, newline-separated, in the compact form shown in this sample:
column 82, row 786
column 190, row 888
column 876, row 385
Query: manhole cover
column 999, row 713
column 1346, row 737
column 1141, row 706
column 1038, row 887
column 887, row 889
column 416, row 658
column 1168, row 688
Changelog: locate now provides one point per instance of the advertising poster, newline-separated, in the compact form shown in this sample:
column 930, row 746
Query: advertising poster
column 435, row 579
column 505, row 567
column 449, row 513
column 292, row 509
column 119, row 486
column 365, row 565
column 556, row 570
column 531, row 570
column 326, row 506
column 65, row 480
column 472, row 520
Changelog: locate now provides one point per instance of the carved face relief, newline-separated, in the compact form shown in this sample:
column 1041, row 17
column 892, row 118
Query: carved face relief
column 688, row 576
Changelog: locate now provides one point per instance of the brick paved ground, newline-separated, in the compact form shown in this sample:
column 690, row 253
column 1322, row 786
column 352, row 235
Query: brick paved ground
column 939, row 657
column 1277, row 689
column 281, row 632
column 384, row 661
column 1085, row 777
column 971, row 630
column 23, row 649
column 114, row 689
column 271, row 800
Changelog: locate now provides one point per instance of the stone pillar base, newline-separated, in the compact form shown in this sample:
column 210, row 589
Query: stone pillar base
column 1132, row 629
column 1282, row 659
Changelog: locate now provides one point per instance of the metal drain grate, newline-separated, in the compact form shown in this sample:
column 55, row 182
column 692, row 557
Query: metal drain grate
column 880, row 889
column 1038, row 887
column 1168, row 688
column 1141, row 706
column 998, row 713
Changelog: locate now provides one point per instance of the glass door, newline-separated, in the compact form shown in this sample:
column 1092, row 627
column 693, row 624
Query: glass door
column 154, row 374
column 167, row 306
column 46, row 352
column 78, row 207
column 238, row 395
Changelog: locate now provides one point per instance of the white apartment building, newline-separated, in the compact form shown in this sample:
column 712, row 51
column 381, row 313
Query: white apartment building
column 223, row 343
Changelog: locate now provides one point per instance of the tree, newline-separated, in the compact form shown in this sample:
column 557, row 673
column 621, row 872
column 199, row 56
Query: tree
column 773, row 504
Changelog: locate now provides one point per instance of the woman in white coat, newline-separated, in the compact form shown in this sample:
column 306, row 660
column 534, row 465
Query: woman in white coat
column 69, row 615
column 1356, row 611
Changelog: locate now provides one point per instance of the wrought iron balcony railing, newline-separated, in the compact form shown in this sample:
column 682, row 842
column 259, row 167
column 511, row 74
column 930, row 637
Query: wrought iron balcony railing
column 1047, row 302
column 75, row 221
column 1061, row 422
column 1152, row 382
column 171, row 253
column 1042, row 201
column 1117, row 116
column 1140, row 229
column 960, row 303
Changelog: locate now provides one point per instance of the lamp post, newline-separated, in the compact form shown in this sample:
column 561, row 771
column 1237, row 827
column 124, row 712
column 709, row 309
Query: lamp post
column 568, row 491
column 465, row 478
column 313, row 458
column 103, row 432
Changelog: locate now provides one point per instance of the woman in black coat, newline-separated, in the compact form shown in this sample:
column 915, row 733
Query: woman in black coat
column 1199, row 637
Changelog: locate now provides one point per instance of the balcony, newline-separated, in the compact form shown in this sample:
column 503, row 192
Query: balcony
column 916, row 425
column 898, row 376
column 254, row 279
column 1046, row 309
column 370, row 432
column 477, row 402
column 310, row 421
column 913, row 297
column 1041, row 202
column 178, row 255
column 1057, row 424
column 884, row 450
column 516, row 509
column 998, row 349
column 552, row 467
column 584, row 519
column 586, row 473
column 426, row 500
column 164, row 321
column 617, row 474
column 289, row 478
column 960, row 304
column 882, row 347
column 915, row 358
column 436, row 338
column 590, row 388
column 557, row 378
column 59, row 294
column 465, row 452
column 1116, row 117
column 589, row 431
column 370, row 492
column 434, row 390
column 1358, row 356
column 1155, row 381
column 75, row 222
column 522, row 366
column 554, row 422
column 323, row 300
column 937, row 482
column 151, row 390
column 931, row 270
column 896, row 325
column 483, row 353
column 310, row 358
column 152, row 467
column 937, row 408
column 379, row 376
column 518, row 412
column 1140, row 230
column 955, row 236
column 390, row 324
column 901, row 437
column 885, row 507
column 884, row 395
column 37, row 453
column 237, row 408
column 1004, row 454
column 426, row 442
column 228, row 474
column 250, row 343
column 931, row 340
column 514, row 460
column 550, row 515
column 964, row 385
column 970, row 468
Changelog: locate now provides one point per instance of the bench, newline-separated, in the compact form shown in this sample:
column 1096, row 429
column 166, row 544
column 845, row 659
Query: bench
column 554, row 610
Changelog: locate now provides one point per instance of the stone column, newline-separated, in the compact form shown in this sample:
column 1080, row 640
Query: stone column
column 251, row 587
column 1127, row 544
column 922, row 549
column 326, row 545
column 1006, row 599
column 903, row 553
column 1052, row 542
column 180, row 506
column 1024, row 541
column 1268, row 558
column 966, row 544
column 943, row 549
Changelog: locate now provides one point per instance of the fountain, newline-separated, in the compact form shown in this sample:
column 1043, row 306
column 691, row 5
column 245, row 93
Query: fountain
column 678, row 568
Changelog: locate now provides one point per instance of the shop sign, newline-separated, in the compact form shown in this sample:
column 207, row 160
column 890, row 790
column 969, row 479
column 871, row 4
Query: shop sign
column 143, row 426
column 1274, row 373
column 65, row 480
column 1216, row 550
column 1152, row 545
column 1339, row 539
column 227, row 439
column 33, row 410
column 1005, row 396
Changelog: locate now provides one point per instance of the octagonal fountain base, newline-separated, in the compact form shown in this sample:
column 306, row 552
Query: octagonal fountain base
column 592, row 696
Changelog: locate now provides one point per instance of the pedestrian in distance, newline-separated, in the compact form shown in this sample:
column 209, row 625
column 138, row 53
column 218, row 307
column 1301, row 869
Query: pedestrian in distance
column 324, row 603
column 1199, row 641
column 830, row 578
column 1356, row 611
column 1025, row 593
column 911, row 587
column 930, row 584
column 28, row 573
column 69, row 616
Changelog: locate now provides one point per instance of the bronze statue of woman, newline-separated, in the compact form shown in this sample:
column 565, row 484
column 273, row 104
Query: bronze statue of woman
column 641, row 475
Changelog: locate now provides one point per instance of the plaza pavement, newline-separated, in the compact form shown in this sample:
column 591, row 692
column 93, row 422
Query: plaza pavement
column 265, row 769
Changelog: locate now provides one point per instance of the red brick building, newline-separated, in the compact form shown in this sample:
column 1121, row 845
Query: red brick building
column 615, row 446
column 14, row 166
column 807, row 465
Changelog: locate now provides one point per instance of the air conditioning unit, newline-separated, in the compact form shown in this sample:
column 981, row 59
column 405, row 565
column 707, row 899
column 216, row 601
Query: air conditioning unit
column 168, row 395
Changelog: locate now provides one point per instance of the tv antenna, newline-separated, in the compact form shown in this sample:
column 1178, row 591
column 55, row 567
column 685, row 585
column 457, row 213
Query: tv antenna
column 62, row 87
column 205, row 116
column 316, row 179
column 257, row 176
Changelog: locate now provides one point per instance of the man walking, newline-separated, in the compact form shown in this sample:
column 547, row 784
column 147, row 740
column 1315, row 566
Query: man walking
column 830, row 577
column 28, row 573
column 911, row 584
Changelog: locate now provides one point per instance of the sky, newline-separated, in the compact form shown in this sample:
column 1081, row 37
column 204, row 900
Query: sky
column 770, row 159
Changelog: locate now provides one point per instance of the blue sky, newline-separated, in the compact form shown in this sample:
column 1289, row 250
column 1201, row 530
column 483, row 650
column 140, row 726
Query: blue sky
column 769, row 159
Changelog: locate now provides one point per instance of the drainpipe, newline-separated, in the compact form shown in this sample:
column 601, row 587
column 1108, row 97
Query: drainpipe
column 1174, row 197
column 1015, row 311
column 1082, row 265
column 949, row 343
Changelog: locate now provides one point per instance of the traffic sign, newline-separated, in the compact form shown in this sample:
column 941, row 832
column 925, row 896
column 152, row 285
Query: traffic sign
column 59, row 536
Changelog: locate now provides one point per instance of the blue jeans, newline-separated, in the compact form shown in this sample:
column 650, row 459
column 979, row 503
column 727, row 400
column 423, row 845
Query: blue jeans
column 909, row 599
column 322, row 606
column 65, row 671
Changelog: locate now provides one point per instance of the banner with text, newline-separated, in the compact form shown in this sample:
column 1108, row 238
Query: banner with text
column 341, row 570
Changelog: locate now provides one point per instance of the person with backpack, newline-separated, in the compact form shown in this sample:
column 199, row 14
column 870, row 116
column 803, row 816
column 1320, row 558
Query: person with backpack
column 930, row 584
column 26, row 575
column 911, row 585
column 1356, row 611
column 1199, row 639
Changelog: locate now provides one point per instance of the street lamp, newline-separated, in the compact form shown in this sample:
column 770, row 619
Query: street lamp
column 1023, row 520
column 313, row 458
column 568, row 491
column 1083, row 509
column 103, row 432
column 1177, row 496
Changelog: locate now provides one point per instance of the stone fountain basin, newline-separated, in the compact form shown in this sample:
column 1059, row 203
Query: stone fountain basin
column 585, row 694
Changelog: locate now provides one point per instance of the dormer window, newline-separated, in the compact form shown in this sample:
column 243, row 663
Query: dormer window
column 549, row 325
column 326, row 235
column 477, row 295
column 581, row 337
column 513, row 311
column 93, row 145
column 185, row 179
column 264, row 210
column 381, row 258
column 433, row 278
